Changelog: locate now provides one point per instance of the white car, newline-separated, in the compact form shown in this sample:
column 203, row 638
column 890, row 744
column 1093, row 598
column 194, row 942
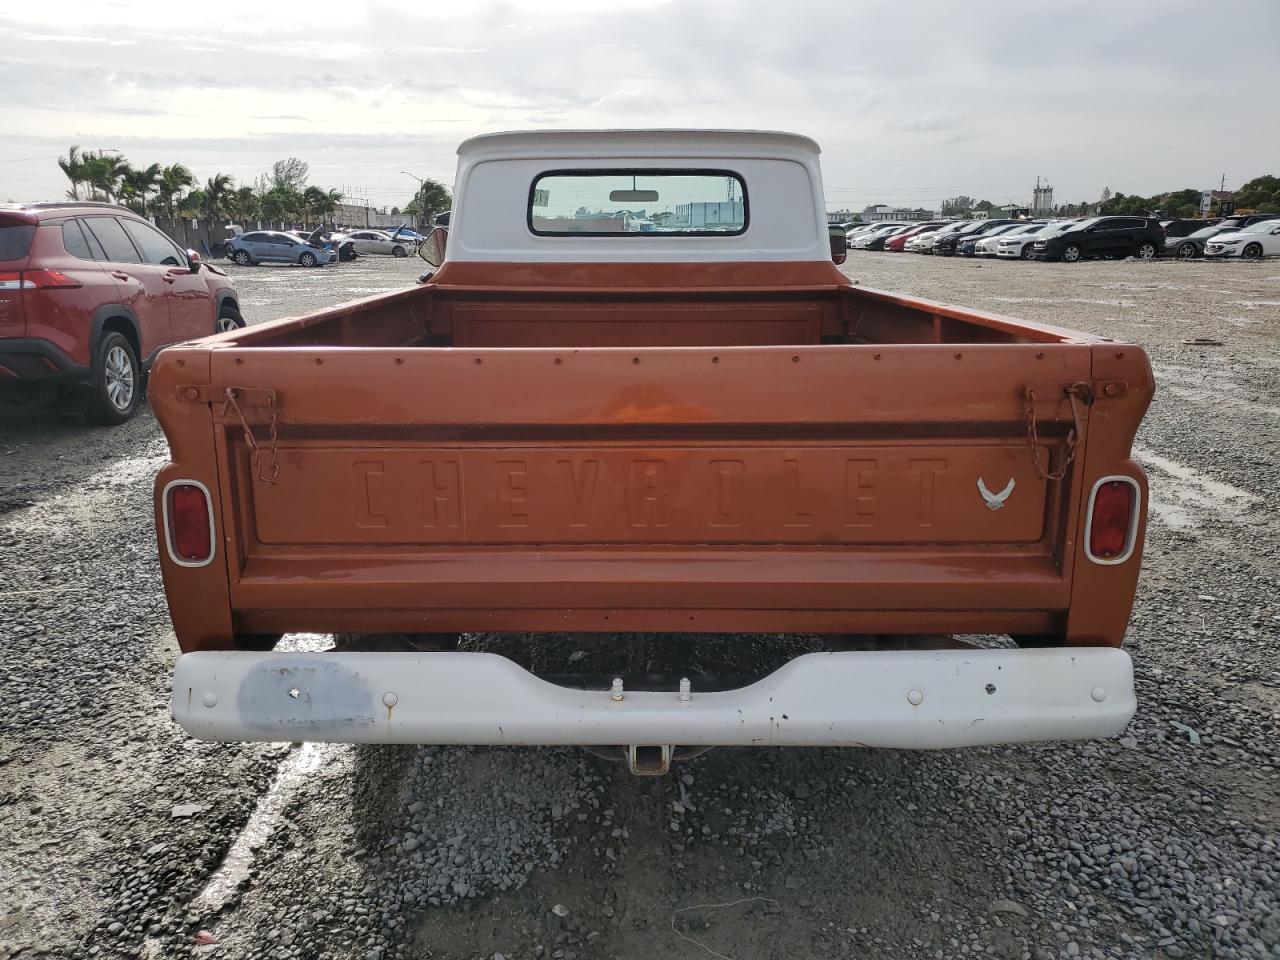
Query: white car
column 378, row 241
column 863, row 240
column 923, row 242
column 1258, row 240
column 1022, row 245
column 986, row 245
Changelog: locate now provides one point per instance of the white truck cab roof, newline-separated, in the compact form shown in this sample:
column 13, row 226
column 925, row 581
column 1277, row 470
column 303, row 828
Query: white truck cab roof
column 781, row 206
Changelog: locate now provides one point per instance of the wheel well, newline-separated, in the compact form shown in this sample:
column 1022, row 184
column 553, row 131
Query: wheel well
column 122, row 326
column 228, row 302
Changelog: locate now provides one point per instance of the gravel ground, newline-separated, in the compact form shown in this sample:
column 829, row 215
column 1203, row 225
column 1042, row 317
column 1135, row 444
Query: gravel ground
column 122, row 837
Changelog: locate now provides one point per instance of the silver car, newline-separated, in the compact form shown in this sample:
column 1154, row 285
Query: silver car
column 378, row 241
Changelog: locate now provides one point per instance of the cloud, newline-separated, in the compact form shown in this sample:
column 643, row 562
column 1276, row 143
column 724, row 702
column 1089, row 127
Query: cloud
column 909, row 101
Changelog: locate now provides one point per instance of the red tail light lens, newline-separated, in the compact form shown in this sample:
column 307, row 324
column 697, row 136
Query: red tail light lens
column 1112, row 520
column 189, row 523
column 48, row 280
column 37, row 280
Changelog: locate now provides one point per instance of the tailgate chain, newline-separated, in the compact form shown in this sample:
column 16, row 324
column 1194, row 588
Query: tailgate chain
column 255, row 449
column 1079, row 391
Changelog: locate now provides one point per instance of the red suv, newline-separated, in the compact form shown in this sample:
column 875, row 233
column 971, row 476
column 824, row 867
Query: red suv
column 91, row 292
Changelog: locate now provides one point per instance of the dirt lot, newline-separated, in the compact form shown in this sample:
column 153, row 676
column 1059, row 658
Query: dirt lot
column 122, row 837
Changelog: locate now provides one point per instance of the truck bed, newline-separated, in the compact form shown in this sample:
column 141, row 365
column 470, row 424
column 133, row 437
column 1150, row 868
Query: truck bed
column 654, row 447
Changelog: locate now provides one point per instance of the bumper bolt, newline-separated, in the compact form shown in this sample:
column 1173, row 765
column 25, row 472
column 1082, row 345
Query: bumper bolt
column 210, row 699
column 1098, row 694
column 915, row 697
column 615, row 692
column 389, row 699
column 685, row 688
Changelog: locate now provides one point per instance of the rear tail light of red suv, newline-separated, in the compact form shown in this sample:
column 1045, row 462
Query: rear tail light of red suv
column 37, row 280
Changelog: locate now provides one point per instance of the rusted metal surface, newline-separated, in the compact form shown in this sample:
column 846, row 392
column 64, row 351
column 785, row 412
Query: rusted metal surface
column 612, row 447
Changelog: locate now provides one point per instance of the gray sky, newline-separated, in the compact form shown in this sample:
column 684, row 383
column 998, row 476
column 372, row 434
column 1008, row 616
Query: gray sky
column 911, row 102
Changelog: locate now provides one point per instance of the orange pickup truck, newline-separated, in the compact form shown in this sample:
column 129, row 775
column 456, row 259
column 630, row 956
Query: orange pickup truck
column 637, row 395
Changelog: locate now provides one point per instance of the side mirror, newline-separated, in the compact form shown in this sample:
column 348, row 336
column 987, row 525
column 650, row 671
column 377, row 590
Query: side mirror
column 839, row 244
column 432, row 249
column 194, row 260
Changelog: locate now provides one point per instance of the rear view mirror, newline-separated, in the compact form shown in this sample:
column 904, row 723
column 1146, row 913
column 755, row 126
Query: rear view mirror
column 432, row 249
column 633, row 196
column 839, row 243
column 193, row 259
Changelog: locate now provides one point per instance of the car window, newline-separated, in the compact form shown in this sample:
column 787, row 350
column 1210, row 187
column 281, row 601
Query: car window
column 115, row 242
column 155, row 246
column 15, row 240
column 251, row 237
column 630, row 203
column 74, row 241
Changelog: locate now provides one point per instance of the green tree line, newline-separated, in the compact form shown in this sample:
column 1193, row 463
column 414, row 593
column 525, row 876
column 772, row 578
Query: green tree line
column 1260, row 193
column 279, row 194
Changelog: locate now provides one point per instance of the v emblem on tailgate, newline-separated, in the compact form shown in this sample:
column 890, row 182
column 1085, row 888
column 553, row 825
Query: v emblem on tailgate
column 995, row 500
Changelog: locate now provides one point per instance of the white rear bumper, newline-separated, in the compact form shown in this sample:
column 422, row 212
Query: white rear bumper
column 911, row 699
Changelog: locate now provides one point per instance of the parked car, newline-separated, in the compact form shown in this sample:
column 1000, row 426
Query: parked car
column 1098, row 237
column 923, row 242
column 969, row 243
column 878, row 241
column 987, row 244
column 946, row 244
column 1193, row 244
column 1259, row 239
column 90, row 293
column 898, row 241
column 862, row 240
column 378, row 241
column 1021, row 246
column 276, row 246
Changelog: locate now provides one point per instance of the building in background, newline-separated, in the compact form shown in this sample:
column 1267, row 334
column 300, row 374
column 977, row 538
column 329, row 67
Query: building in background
column 878, row 212
column 1042, row 199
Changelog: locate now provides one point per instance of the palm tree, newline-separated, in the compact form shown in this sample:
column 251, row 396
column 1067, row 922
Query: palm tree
column 432, row 198
column 331, row 201
column 243, row 204
column 73, row 166
column 313, row 202
column 216, row 190
column 103, row 172
column 173, row 180
column 135, row 184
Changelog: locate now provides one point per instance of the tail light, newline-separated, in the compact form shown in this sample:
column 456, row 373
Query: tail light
column 37, row 280
column 188, row 522
column 1112, row 524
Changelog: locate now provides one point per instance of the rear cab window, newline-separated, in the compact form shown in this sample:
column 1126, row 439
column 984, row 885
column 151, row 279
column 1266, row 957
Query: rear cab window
column 638, row 203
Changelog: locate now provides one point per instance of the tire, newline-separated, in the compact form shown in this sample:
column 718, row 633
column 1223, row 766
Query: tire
column 398, row 252
column 1071, row 253
column 242, row 257
column 1028, row 251
column 116, row 389
column 229, row 319
column 1253, row 252
column 1186, row 251
column 1146, row 250
column 308, row 259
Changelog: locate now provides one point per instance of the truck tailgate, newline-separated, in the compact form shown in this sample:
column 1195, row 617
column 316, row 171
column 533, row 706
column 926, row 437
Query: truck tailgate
column 827, row 488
